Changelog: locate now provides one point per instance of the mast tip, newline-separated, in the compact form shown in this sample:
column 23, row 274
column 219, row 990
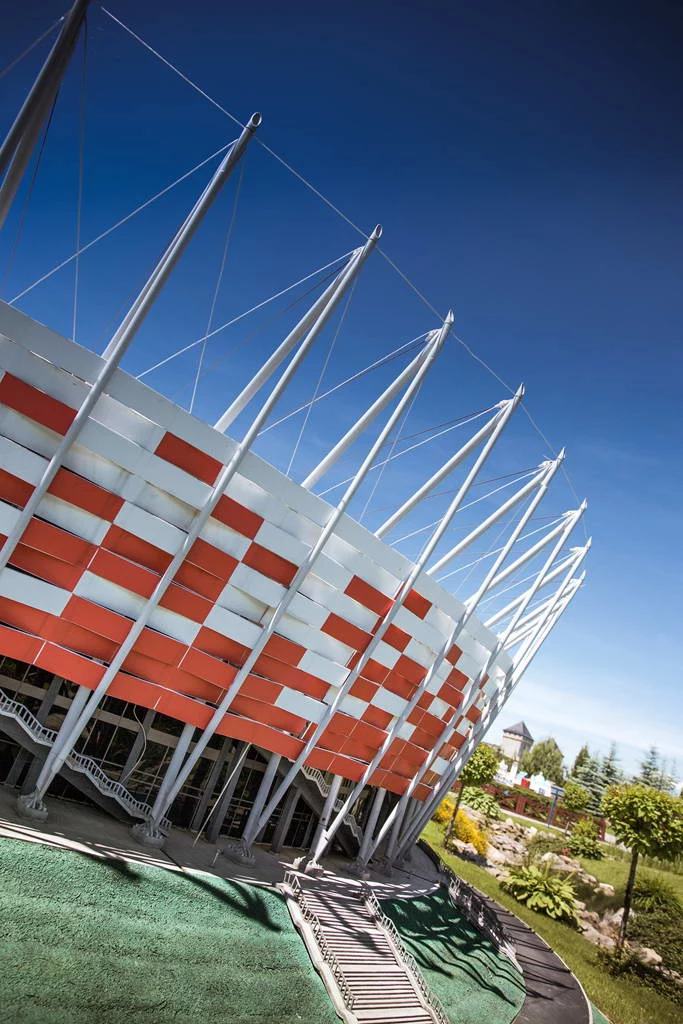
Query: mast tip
column 255, row 120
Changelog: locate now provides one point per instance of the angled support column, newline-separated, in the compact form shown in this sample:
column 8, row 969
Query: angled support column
column 507, row 506
column 517, row 601
column 542, row 481
column 515, row 674
column 325, row 304
column 360, row 865
column 302, row 572
column 535, row 549
column 150, row 836
column 25, row 805
column 21, row 139
column 241, row 851
column 210, row 784
column 220, row 809
column 441, row 474
column 361, row 425
column 398, row 817
column 127, row 330
column 285, row 820
column 389, row 617
column 313, row 866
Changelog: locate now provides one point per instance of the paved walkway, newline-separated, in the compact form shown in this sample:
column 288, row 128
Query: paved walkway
column 88, row 830
column 553, row 995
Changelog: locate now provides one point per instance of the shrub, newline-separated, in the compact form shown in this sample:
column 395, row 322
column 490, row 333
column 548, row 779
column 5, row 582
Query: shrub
column 663, row 931
column 443, row 812
column 480, row 801
column 621, row 963
column 544, row 842
column 583, row 841
column 541, row 890
column 651, row 893
column 468, row 832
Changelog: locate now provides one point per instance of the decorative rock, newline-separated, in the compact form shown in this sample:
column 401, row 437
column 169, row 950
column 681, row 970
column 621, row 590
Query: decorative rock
column 605, row 888
column 560, row 863
column 647, row 956
column 467, row 851
column 588, row 917
column 598, row 939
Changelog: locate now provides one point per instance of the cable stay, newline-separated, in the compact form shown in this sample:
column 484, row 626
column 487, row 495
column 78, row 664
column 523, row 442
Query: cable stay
column 405, row 451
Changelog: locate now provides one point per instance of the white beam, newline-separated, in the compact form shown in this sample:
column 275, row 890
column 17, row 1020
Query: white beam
column 442, row 473
column 501, row 511
column 326, row 302
column 367, row 418
column 123, row 337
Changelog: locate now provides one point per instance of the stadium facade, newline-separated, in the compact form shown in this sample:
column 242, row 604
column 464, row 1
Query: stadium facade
column 190, row 637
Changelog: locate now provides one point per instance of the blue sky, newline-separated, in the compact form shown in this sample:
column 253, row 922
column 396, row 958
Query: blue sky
column 525, row 163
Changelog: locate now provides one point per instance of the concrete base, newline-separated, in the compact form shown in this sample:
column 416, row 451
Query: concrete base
column 147, row 835
column 30, row 806
column 359, row 869
column 313, row 867
column 386, row 867
column 239, row 853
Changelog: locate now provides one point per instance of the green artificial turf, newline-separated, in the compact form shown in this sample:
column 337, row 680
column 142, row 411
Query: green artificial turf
column 473, row 981
column 88, row 941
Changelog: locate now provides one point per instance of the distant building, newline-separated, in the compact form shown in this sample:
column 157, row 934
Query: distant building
column 517, row 741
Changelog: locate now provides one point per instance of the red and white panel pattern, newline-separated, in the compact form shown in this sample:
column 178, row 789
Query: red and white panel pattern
column 120, row 508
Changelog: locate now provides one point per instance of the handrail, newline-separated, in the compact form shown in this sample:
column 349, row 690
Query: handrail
column 473, row 905
column 79, row 762
column 432, row 1001
column 316, row 776
column 316, row 927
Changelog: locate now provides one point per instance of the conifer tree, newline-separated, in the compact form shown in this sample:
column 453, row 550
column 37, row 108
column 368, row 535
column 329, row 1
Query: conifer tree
column 580, row 759
column 650, row 770
column 589, row 775
column 612, row 775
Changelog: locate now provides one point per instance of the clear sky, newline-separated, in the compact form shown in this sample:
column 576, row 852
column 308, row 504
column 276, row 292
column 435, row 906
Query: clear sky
column 525, row 161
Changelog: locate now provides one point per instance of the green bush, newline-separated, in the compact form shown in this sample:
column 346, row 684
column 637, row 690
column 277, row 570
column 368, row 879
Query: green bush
column 625, row 963
column 543, row 891
column 651, row 893
column 658, row 923
column 544, row 842
column 480, row 801
column 584, row 840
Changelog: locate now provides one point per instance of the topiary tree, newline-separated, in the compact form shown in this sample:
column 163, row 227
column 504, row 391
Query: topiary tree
column 479, row 770
column 575, row 798
column 647, row 822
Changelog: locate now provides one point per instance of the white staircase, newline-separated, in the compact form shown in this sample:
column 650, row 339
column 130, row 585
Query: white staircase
column 85, row 766
column 377, row 979
column 318, row 778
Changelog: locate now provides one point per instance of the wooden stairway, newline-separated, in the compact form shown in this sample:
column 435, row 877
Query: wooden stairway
column 381, row 986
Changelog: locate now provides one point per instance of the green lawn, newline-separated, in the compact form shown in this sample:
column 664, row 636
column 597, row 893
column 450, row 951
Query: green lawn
column 472, row 980
column 616, row 871
column 89, row 941
column 623, row 1000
